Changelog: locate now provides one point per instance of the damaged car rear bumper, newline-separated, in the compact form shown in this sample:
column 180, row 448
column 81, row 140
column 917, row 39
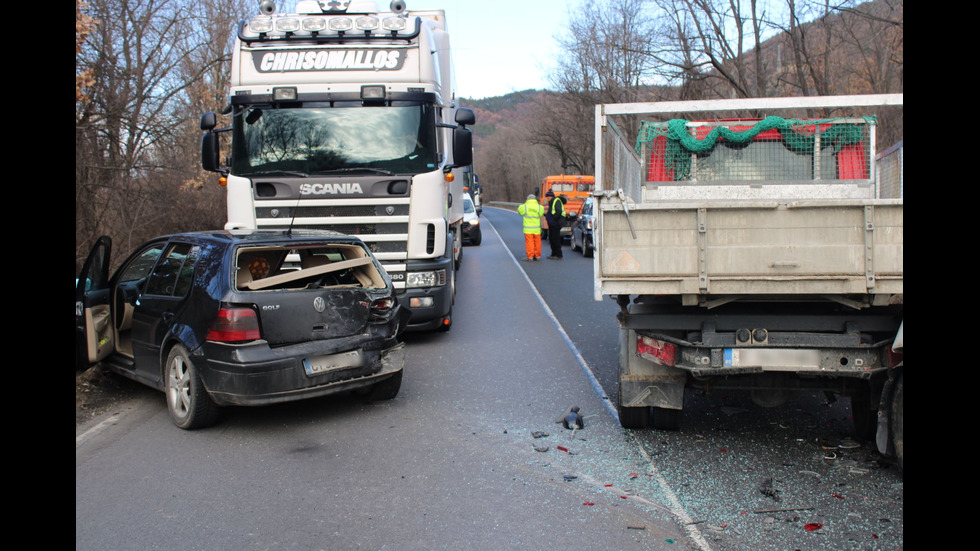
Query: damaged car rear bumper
column 255, row 374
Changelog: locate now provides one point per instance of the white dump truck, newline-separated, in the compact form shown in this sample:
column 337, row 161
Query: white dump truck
column 345, row 117
column 753, row 244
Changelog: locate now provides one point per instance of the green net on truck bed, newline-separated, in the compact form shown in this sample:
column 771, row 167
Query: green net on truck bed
column 774, row 148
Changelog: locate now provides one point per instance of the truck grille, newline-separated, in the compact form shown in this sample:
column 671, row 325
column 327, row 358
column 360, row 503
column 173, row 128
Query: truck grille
column 331, row 211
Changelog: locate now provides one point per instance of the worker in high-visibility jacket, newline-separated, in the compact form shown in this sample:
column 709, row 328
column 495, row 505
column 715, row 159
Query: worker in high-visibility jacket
column 531, row 212
column 554, row 214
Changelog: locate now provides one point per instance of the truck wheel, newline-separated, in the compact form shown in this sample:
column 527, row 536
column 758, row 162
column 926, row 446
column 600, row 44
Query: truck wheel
column 865, row 417
column 896, row 414
column 386, row 389
column 666, row 419
column 634, row 418
column 189, row 403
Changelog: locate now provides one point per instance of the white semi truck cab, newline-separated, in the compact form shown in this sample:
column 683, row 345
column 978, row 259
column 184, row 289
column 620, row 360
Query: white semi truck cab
column 344, row 117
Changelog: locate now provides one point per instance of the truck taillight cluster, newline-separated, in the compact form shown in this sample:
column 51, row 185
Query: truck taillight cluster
column 656, row 351
column 234, row 325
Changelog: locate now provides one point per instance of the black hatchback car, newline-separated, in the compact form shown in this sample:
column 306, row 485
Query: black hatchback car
column 581, row 238
column 241, row 317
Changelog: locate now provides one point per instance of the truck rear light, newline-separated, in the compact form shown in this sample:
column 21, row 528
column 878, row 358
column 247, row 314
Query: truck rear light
column 656, row 351
column 235, row 325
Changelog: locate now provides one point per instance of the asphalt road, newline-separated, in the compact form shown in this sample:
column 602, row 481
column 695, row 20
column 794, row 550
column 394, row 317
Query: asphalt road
column 740, row 476
column 453, row 463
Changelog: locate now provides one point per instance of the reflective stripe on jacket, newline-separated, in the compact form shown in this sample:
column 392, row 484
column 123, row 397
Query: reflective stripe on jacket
column 532, row 212
column 561, row 207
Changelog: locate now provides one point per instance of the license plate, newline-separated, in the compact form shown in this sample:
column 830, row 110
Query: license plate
column 772, row 359
column 323, row 364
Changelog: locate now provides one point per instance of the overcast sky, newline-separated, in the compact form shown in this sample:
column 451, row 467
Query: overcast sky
column 501, row 46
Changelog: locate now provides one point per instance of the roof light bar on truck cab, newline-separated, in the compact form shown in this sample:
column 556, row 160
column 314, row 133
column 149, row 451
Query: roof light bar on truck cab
column 269, row 25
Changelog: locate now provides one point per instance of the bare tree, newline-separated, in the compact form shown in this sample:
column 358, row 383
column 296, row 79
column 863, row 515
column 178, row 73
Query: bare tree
column 508, row 161
column 565, row 127
column 147, row 61
column 83, row 26
column 608, row 61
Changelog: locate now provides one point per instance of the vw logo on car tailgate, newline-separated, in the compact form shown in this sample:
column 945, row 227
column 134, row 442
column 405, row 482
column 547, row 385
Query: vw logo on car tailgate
column 319, row 304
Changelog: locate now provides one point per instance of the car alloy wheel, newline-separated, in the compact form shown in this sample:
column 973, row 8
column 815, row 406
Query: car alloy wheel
column 189, row 403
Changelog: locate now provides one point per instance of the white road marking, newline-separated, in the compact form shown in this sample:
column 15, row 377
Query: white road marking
column 675, row 505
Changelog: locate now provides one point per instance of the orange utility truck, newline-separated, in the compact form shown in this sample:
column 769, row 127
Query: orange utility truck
column 576, row 188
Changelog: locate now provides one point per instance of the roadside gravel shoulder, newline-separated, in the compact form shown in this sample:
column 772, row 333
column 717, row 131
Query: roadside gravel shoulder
column 98, row 392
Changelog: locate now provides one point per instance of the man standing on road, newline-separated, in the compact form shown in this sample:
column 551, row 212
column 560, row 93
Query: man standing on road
column 531, row 212
column 555, row 214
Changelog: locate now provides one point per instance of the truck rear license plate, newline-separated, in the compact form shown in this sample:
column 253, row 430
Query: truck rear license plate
column 324, row 364
column 772, row 359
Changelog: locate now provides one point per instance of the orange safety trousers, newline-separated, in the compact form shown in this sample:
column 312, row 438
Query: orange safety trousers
column 532, row 245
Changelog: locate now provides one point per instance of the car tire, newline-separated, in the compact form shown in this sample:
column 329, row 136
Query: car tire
column 588, row 250
column 386, row 389
column 189, row 403
column 477, row 239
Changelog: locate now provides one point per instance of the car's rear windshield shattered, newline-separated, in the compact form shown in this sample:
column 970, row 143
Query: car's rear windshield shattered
column 306, row 267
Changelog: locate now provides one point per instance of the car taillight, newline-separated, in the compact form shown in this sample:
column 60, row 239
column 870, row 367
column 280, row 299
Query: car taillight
column 235, row 325
column 381, row 308
column 656, row 351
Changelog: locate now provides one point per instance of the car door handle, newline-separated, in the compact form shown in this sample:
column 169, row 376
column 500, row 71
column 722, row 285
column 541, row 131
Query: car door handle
column 167, row 316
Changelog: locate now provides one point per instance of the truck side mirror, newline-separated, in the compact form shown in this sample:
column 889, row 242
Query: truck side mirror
column 210, row 152
column 462, row 147
column 209, row 120
column 465, row 115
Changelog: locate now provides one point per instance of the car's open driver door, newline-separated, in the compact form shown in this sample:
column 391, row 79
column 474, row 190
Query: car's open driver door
column 94, row 336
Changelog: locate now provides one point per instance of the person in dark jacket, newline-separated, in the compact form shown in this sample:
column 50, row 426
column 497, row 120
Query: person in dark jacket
column 554, row 213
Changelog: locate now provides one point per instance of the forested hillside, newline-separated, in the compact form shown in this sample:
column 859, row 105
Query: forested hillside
column 631, row 50
column 145, row 72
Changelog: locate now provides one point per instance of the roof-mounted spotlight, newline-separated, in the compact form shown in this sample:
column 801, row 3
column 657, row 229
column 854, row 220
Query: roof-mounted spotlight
column 340, row 24
column 285, row 93
column 373, row 92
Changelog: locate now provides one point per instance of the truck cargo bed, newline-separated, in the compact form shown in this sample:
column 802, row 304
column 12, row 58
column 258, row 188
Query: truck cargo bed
column 751, row 248
column 787, row 211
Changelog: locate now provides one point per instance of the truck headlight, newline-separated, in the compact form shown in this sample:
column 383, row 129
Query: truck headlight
column 415, row 280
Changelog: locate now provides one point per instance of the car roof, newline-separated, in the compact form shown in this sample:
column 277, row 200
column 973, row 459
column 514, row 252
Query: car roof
column 251, row 236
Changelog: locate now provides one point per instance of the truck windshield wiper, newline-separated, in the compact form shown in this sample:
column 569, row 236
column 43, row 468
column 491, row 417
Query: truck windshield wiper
column 357, row 169
column 277, row 173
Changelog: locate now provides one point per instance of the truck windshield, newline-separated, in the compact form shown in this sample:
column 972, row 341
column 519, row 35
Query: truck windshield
column 325, row 140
